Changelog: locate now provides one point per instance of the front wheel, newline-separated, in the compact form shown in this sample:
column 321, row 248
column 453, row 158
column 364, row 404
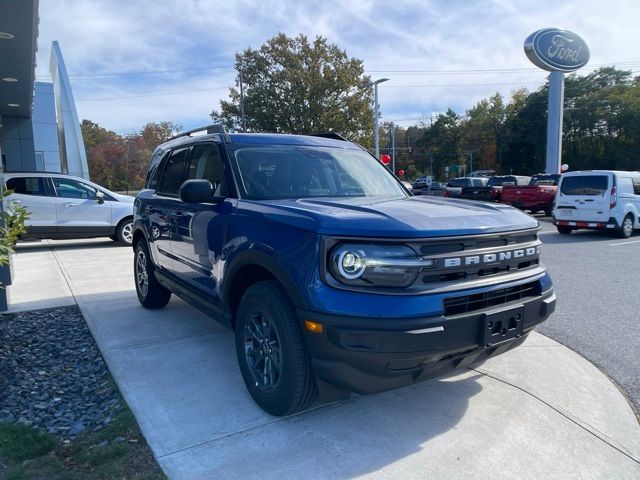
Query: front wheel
column 272, row 356
column 626, row 229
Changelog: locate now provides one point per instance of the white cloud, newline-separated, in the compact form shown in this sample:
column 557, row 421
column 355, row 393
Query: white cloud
column 105, row 36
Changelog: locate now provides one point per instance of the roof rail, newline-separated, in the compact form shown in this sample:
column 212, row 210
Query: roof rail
column 333, row 135
column 213, row 128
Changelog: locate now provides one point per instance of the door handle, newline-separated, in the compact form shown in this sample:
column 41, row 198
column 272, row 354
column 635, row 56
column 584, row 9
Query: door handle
column 588, row 200
column 68, row 204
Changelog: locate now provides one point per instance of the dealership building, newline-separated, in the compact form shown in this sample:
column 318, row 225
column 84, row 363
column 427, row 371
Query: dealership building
column 39, row 126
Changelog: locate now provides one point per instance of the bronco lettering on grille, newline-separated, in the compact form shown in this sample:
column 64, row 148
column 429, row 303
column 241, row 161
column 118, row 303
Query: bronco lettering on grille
column 491, row 258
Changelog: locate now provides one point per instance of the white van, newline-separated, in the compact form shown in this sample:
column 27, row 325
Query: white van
column 604, row 199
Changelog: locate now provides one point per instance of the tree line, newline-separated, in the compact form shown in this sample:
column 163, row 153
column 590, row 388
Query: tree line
column 601, row 130
column 294, row 85
column 120, row 162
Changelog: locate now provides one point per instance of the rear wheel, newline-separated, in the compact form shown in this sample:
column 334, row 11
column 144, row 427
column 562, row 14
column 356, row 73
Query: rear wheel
column 124, row 231
column 151, row 293
column 626, row 229
column 564, row 230
column 273, row 358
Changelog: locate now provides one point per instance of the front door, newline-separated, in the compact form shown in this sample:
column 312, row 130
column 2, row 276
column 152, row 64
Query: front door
column 78, row 209
column 199, row 229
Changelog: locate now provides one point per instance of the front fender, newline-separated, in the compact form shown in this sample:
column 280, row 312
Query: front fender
column 264, row 257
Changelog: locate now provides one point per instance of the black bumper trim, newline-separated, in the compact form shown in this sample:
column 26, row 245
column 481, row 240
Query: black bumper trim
column 368, row 355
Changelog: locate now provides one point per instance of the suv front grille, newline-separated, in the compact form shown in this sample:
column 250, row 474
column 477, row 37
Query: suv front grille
column 475, row 257
column 480, row 301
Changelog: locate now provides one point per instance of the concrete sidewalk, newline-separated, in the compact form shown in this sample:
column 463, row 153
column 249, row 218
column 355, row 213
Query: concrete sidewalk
column 539, row 411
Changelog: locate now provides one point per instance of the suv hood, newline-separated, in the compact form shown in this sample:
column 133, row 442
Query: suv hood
column 392, row 217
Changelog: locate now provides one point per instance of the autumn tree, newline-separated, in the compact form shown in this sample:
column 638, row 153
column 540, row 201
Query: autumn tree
column 120, row 162
column 292, row 85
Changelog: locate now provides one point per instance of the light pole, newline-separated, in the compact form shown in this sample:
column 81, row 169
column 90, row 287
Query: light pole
column 375, row 114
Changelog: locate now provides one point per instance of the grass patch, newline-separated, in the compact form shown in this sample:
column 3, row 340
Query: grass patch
column 19, row 442
column 118, row 451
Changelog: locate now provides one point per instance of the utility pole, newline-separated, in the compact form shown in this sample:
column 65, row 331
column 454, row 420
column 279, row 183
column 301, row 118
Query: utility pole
column 376, row 108
column 127, row 164
column 244, row 125
column 393, row 148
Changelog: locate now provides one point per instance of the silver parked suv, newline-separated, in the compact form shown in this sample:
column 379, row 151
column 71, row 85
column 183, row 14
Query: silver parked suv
column 62, row 206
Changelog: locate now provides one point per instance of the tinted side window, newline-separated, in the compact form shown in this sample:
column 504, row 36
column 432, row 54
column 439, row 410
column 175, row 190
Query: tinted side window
column 68, row 188
column 27, row 185
column 587, row 185
column 174, row 172
column 206, row 164
column 154, row 170
column 636, row 185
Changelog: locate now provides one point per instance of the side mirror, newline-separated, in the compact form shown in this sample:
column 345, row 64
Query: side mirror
column 198, row 191
column 100, row 197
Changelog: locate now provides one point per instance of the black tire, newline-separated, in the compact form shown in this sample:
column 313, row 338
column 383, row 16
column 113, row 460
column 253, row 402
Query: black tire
column 564, row 230
column 124, row 231
column 267, row 334
column 154, row 296
column 626, row 228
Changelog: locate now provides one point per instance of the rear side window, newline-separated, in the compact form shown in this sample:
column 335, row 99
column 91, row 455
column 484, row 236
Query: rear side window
column 154, row 170
column 636, row 185
column 174, row 173
column 27, row 186
column 587, row 185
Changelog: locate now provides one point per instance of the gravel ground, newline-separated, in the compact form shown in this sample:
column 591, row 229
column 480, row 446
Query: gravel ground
column 52, row 375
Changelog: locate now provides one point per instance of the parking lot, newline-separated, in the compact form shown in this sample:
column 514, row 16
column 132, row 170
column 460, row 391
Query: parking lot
column 538, row 411
column 596, row 277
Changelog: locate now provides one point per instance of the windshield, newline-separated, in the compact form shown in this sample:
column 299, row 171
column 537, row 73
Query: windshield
column 294, row 171
column 544, row 180
column 499, row 181
column 587, row 185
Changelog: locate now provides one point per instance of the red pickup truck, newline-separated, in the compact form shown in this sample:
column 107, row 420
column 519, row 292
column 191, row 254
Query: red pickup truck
column 537, row 196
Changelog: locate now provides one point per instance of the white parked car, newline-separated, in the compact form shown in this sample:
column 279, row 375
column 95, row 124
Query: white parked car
column 62, row 206
column 598, row 199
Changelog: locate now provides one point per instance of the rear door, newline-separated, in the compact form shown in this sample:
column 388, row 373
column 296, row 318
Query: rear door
column 585, row 197
column 162, row 209
column 36, row 195
column 78, row 209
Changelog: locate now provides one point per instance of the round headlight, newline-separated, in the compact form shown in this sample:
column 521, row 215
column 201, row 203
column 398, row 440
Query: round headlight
column 351, row 265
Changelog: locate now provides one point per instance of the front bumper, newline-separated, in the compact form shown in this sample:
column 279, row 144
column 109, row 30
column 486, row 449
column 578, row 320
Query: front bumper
column 366, row 355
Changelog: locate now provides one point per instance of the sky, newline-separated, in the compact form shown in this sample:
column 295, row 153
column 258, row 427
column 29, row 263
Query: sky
column 136, row 61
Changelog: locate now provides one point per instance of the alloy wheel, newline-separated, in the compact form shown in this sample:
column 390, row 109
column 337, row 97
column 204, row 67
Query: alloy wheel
column 263, row 351
column 627, row 226
column 142, row 276
column 127, row 233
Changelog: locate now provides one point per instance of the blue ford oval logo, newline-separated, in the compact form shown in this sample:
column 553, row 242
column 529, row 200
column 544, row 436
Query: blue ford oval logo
column 555, row 49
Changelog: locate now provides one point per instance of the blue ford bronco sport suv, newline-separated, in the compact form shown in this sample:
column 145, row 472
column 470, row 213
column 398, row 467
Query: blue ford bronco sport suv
column 332, row 276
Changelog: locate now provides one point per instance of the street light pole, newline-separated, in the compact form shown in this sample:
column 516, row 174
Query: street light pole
column 376, row 107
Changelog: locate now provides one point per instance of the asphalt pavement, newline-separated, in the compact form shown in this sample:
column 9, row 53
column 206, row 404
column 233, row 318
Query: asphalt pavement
column 596, row 276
